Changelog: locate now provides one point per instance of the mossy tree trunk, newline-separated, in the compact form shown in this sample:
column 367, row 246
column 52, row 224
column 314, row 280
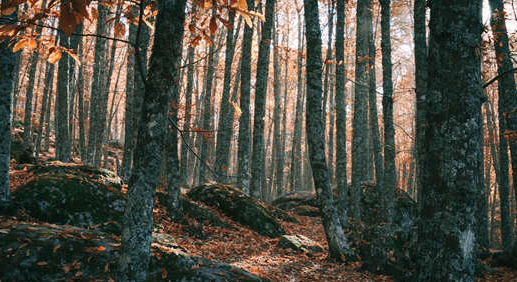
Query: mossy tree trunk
column 7, row 63
column 336, row 238
column 138, row 217
column 453, row 170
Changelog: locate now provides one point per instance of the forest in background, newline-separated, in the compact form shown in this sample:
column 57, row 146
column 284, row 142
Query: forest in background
column 235, row 83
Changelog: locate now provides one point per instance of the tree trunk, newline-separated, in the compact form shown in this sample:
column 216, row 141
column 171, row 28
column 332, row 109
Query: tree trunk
column 453, row 164
column 49, row 75
column 336, row 238
column 138, row 216
column 224, row 127
column 373, row 119
column 97, row 87
column 134, row 98
column 420, row 41
column 7, row 63
column 204, row 172
column 63, row 148
column 260, row 102
column 244, row 119
column 387, row 108
column 341, row 159
column 359, row 138
column 507, row 117
column 186, row 115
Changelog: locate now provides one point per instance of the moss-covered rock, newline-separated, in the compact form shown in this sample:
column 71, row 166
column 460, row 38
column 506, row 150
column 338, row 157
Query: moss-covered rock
column 47, row 252
column 238, row 206
column 73, row 200
column 292, row 200
column 299, row 243
column 307, row 210
column 90, row 173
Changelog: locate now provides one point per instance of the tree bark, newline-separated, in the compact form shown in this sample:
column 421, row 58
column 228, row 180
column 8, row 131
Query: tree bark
column 341, row 158
column 359, row 138
column 7, row 64
column 63, row 148
column 224, row 127
column 387, row 108
column 138, row 216
column 336, row 238
column 420, row 41
column 244, row 119
column 453, row 164
column 260, row 102
column 507, row 116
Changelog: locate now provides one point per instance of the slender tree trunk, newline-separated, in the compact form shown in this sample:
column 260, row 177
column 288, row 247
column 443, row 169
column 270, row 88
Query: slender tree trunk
column 507, row 116
column 387, row 108
column 420, row 41
column 296, row 160
column 260, row 102
column 453, row 171
column 341, row 156
column 336, row 238
column 359, row 138
column 280, row 187
column 49, row 71
column 373, row 119
column 7, row 64
column 46, row 145
column 204, row 173
column 138, row 217
column 224, row 127
column 186, row 116
column 244, row 119
column 276, row 150
column 134, row 98
column 63, row 148
column 97, row 87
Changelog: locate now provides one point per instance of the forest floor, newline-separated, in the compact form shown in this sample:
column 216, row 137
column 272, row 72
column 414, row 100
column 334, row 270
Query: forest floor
column 260, row 255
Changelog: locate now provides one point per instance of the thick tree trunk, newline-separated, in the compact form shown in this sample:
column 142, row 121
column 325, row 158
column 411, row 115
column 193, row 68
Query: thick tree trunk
column 341, row 160
column 387, row 108
column 359, row 138
column 507, row 117
column 453, row 170
column 7, row 63
column 420, row 41
column 138, row 217
column 260, row 102
column 336, row 238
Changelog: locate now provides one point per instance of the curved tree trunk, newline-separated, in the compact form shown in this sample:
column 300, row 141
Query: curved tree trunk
column 336, row 238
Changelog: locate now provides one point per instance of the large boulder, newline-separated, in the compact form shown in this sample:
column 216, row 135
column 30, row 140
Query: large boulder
column 47, row 252
column 72, row 199
column 238, row 206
